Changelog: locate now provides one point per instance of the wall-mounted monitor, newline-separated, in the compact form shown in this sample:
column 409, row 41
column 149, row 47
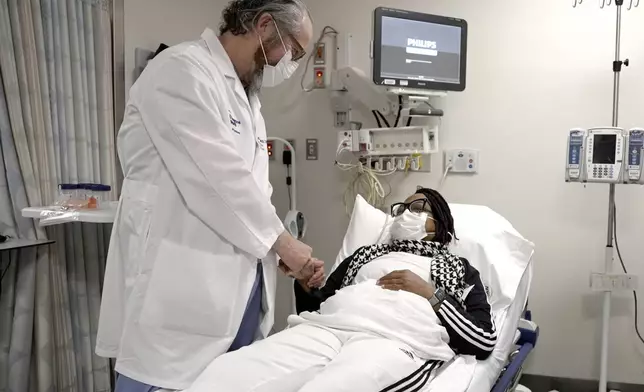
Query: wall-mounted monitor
column 421, row 51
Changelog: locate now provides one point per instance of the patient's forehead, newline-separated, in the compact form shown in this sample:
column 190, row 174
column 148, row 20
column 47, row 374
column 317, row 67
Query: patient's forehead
column 414, row 197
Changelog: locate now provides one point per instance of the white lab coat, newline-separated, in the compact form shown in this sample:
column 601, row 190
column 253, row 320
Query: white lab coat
column 194, row 218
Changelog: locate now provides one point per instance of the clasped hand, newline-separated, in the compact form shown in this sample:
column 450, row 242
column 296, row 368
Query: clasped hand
column 312, row 273
column 297, row 261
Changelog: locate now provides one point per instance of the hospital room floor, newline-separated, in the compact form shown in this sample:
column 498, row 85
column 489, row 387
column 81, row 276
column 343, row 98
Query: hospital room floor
column 548, row 384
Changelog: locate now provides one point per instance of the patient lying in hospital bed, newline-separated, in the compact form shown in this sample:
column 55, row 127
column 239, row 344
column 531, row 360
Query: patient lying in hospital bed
column 389, row 317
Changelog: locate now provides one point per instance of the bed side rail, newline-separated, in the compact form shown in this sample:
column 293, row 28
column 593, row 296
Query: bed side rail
column 512, row 372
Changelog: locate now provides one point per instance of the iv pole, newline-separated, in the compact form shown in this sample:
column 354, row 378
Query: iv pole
column 609, row 255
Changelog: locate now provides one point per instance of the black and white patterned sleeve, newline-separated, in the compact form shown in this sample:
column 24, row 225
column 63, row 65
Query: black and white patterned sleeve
column 470, row 326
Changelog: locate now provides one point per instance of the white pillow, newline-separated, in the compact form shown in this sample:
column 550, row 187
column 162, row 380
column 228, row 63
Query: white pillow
column 494, row 247
column 486, row 239
column 368, row 224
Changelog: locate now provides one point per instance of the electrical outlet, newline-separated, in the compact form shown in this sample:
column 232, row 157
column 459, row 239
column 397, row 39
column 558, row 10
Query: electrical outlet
column 613, row 282
column 292, row 141
column 345, row 140
column 319, row 77
column 407, row 164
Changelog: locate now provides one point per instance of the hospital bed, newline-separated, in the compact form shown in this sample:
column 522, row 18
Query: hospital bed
column 504, row 261
column 483, row 235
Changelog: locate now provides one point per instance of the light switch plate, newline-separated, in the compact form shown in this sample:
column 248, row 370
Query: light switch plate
column 320, row 54
column 462, row 161
column 312, row 149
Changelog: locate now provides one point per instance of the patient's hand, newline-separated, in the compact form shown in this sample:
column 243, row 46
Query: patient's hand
column 311, row 276
column 317, row 280
column 407, row 281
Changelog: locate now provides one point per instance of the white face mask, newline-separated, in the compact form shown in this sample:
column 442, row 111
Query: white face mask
column 285, row 68
column 410, row 226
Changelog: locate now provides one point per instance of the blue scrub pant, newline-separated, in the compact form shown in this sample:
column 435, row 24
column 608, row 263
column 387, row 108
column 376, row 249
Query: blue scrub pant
column 245, row 335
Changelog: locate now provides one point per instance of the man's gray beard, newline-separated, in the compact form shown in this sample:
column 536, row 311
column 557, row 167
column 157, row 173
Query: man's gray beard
column 255, row 84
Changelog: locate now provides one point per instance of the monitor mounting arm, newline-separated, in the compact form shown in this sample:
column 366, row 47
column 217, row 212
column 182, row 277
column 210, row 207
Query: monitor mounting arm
column 350, row 84
column 356, row 84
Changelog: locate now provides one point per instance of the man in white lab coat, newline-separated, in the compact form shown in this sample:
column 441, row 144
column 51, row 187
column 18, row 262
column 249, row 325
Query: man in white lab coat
column 191, row 269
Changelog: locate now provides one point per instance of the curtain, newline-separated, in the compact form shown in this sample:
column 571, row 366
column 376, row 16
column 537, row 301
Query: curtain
column 56, row 126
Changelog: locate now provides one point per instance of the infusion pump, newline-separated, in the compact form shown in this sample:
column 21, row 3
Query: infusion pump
column 605, row 155
column 634, row 162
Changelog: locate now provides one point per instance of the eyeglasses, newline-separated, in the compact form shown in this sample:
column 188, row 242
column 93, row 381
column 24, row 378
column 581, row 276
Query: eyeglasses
column 416, row 206
column 297, row 50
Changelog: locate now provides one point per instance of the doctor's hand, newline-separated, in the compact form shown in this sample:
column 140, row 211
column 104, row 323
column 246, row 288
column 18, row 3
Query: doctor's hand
column 407, row 281
column 295, row 254
column 312, row 276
